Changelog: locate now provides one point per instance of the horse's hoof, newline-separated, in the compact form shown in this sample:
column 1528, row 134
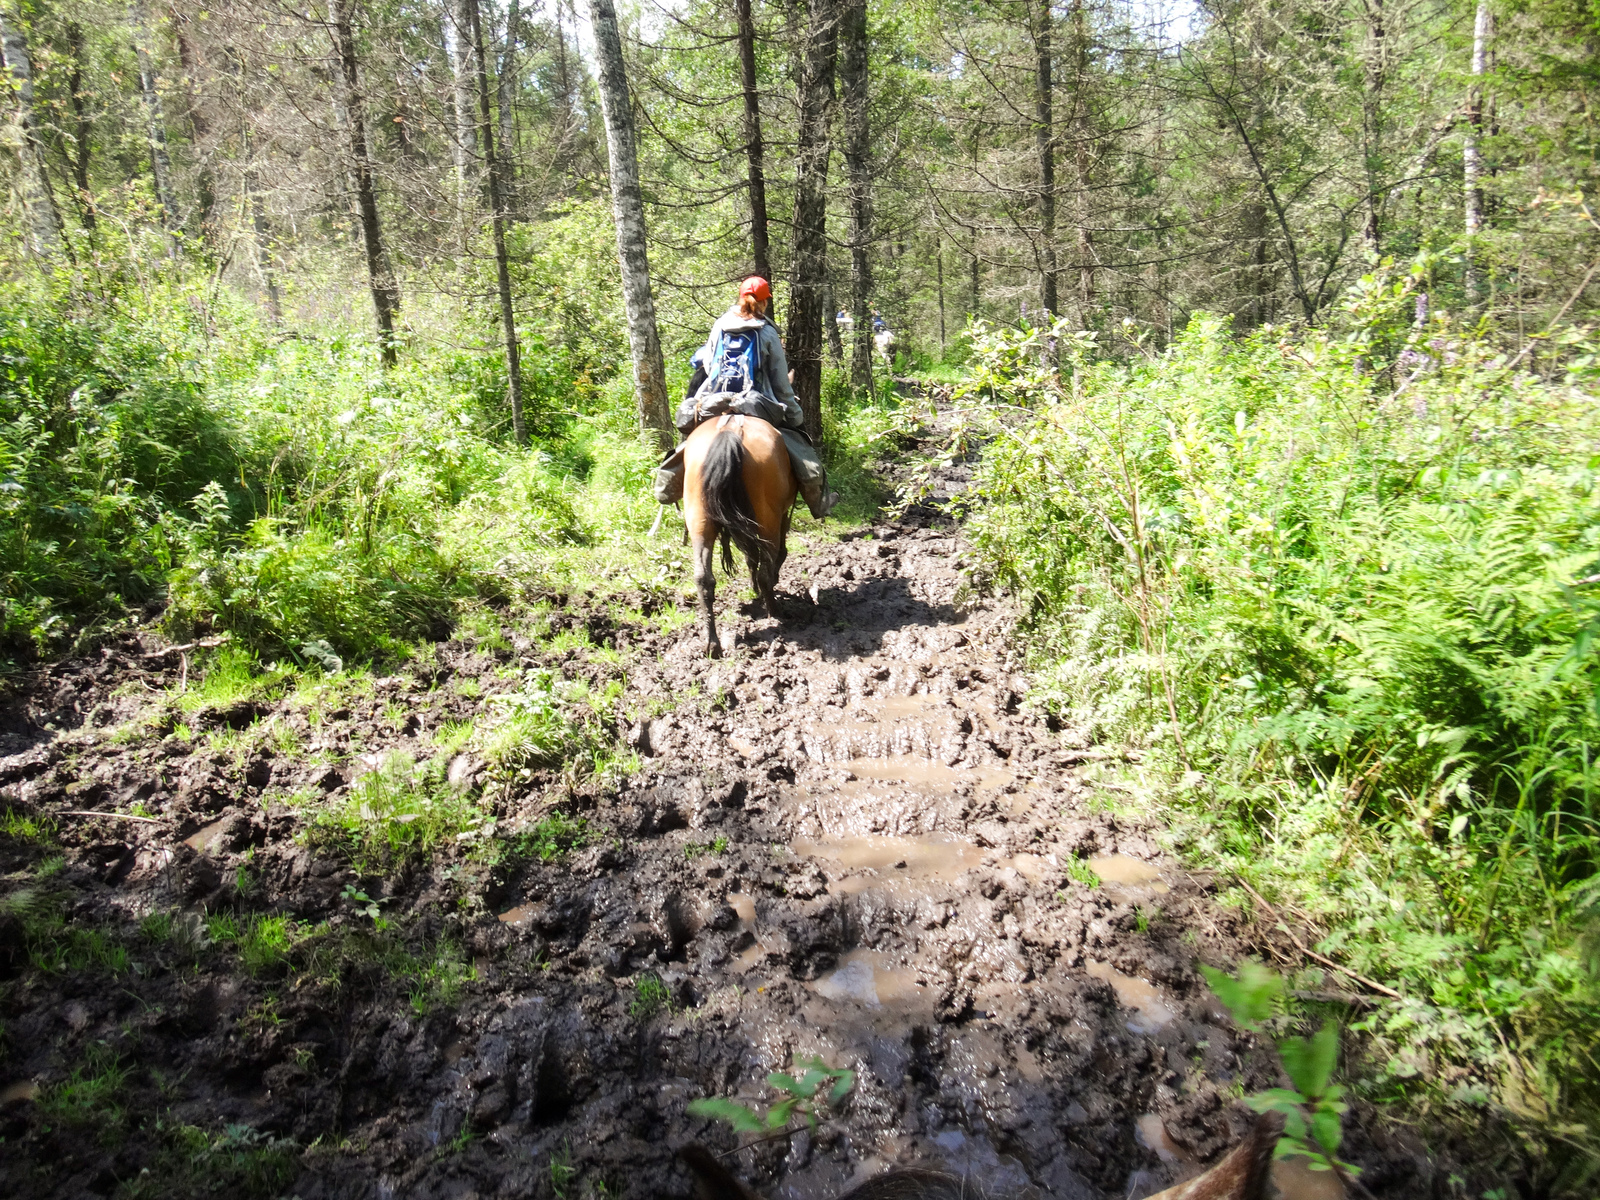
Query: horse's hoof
column 713, row 649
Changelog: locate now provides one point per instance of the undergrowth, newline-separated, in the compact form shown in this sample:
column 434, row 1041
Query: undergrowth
column 1340, row 587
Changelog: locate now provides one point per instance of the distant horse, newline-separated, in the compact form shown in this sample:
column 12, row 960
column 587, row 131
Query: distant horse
column 1242, row 1174
column 737, row 483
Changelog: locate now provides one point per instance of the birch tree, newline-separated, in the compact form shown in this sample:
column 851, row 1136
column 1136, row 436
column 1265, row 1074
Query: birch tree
column 627, row 202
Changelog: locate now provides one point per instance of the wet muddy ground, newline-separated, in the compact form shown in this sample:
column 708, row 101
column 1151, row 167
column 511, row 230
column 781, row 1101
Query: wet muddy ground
column 850, row 838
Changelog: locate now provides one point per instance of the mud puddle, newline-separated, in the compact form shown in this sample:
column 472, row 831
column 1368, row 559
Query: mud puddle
column 856, row 863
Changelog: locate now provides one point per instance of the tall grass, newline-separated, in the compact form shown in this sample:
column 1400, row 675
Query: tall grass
column 1341, row 586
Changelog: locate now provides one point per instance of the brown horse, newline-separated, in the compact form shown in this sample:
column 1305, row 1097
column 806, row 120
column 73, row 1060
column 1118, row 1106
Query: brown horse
column 737, row 483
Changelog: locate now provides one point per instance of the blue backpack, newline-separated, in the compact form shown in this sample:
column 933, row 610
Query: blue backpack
column 736, row 363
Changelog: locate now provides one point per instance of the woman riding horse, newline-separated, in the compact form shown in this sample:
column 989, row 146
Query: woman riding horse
column 742, row 369
column 744, row 456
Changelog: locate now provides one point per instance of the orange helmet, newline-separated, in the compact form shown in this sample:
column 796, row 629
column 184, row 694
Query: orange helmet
column 757, row 287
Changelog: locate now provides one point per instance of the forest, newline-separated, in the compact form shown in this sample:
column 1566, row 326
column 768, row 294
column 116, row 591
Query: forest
column 1215, row 578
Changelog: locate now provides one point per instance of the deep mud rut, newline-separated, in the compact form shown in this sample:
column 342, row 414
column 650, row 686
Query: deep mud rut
column 892, row 894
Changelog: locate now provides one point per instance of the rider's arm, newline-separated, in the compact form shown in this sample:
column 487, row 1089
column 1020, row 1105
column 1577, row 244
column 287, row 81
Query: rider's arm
column 777, row 368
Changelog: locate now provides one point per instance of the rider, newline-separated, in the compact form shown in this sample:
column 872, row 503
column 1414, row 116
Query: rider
column 768, row 394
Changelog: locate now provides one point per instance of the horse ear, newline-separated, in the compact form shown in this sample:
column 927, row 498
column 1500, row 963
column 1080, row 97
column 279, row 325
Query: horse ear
column 713, row 1181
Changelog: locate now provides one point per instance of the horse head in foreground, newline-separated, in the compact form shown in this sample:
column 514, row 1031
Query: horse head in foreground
column 1244, row 1173
column 739, row 485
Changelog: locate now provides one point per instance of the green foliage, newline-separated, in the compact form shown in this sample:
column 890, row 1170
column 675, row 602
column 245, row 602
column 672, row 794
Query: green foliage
column 92, row 1094
column 814, row 1094
column 1311, row 1113
column 650, row 996
column 555, row 834
column 103, row 428
column 693, row 850
column 237, row 1161
column 263, row 942
column 562, row 1170
column 1081, row 872
column 1251, row 996
column 1338, row 587
column 400, row 810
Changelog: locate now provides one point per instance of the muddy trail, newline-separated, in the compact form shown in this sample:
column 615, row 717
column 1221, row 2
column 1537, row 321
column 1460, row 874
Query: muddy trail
column 850, row 838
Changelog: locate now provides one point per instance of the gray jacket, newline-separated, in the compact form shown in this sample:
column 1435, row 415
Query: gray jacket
column 772, row 379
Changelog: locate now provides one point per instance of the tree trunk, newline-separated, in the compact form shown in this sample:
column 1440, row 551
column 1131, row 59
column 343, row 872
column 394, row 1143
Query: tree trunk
column 263, row 240
column 830, row 320
column 649, row 371
column 505, row 86
column 1471, row 157
column 44, row 223
column 155, row 121
column 1372, row 123
column 463, row 134
column 938, row 248
column 195, row 118
column 853, row 68
column 760, row 252
column 82, row 128
column 1083, row 161
column 1044, row 141
column 508, row 317
column 804, row 344
column 380, row 276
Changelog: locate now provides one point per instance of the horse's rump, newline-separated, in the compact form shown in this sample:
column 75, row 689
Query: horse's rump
column 725, row 498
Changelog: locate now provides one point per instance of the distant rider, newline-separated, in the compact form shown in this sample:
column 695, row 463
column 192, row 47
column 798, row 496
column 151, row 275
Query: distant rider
column 742, row 369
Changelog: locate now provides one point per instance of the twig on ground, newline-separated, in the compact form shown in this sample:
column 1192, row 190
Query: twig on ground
column 198, row 644
column 84, row 812
column 1312, row 954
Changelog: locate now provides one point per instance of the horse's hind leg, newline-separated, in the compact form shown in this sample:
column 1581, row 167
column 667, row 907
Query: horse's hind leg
column 705, row 583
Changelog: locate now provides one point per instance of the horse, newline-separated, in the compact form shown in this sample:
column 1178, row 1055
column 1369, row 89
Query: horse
column 738, row 483
column 1244, row 1173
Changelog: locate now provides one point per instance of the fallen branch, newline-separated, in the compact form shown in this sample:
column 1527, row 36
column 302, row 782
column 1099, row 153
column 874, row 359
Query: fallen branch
column 81, row 812
column 1312, row 954
column 200, row 644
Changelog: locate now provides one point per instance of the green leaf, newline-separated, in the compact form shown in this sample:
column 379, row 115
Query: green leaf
column 1325, row 1127
column 1276, row 1100
column 1310, row 1063
column 809, row 1082
column 720, row 1108
column 1249, row 997
column 843, row 1082
column 785, row 1082
column 781, row 1112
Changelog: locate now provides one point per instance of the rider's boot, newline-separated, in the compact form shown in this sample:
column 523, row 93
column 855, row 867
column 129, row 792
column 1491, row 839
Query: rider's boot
column 818, row 499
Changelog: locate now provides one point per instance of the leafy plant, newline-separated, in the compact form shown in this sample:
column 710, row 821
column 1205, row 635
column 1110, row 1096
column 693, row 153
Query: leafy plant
column 363, row 903
column 1312, row 1110
column 813, row 1095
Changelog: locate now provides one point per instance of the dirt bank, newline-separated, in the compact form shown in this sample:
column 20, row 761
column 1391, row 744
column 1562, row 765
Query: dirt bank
column 850, row 838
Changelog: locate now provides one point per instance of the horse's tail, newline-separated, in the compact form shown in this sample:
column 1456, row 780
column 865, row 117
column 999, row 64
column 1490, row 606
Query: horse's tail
column 724, row 496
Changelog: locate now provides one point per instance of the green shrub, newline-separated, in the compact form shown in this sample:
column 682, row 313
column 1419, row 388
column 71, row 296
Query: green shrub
column 1341, row 586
